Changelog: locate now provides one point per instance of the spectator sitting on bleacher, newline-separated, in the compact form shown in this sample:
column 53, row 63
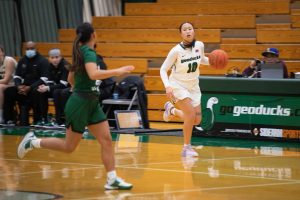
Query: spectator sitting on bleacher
column 252, row 70
column 7, row 70
column 270, row 55
column 32, row 71
column 60, row 99
column 57, row 80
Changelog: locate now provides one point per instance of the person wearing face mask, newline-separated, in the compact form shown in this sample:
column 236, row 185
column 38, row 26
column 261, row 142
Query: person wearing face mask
column 57, row 81
column 32, row 71
column 182, row 86
column 7, row 70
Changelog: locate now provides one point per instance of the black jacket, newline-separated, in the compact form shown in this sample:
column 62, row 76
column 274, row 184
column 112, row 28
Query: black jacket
column 32, row 72
column 58, row 76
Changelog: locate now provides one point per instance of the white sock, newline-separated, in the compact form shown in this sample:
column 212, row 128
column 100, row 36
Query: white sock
column 36, row 143
column 111, row 175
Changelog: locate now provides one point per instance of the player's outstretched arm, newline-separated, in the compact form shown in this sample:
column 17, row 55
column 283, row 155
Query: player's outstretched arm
column 96, row 74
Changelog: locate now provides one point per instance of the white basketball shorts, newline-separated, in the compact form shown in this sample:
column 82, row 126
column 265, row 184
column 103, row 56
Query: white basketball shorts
column 181, row 92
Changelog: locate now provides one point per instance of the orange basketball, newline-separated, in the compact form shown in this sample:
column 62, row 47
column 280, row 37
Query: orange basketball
column 218, row 59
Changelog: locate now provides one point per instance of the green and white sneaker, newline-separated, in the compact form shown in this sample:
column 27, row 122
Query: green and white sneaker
column 117, row 184
column 25, row 146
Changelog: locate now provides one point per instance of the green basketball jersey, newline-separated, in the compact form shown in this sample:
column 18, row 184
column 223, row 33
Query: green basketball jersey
column 83, row 83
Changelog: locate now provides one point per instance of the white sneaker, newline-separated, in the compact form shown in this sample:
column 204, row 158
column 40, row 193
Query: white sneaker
column 188, row 151
column 25, row 146
column 167, row 114
column 117, row 184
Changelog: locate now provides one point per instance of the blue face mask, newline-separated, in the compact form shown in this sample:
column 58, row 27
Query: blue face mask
column 30, row 53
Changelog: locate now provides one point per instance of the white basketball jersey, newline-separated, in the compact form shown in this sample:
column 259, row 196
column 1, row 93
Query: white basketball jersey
column 185, row 64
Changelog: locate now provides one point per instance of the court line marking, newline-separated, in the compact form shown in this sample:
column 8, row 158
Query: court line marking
column 221, row 174
column 165, row 170
column 132, row 166
column 196, row 190
column 53, row 162
column 120, row 166
column 206, row 160
column 155, row 163
column 54, row 170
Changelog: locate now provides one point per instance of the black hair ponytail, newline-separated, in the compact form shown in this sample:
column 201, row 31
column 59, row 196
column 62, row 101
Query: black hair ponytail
column 77, row 61
column 84, row 33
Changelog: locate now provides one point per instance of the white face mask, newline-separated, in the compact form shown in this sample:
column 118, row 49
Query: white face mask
column 30, row 53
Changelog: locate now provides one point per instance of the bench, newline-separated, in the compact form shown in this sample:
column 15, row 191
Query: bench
column 141, row 65
column 160, row 50
column 143, row 22
column 295, row 18
column 273, row 26
column 128, row 50
column 209, row 8
column 153, row 84
column 143, row 35
column 238, row 41
column 278, row 35
column 173, row 22
column 250, row 51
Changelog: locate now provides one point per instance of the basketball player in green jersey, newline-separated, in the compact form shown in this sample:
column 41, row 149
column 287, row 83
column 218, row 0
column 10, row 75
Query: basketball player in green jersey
column 83, row 109
column 182, row 86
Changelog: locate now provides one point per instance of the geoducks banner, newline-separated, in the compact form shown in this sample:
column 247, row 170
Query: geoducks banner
column 250, row 115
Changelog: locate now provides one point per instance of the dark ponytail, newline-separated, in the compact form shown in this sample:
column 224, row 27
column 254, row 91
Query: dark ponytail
column 84, row 33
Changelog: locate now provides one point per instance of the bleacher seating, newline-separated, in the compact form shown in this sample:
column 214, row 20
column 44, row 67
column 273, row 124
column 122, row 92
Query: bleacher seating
column 295, row 18
column 163, row 22
column 141, row 65
column 143, row 35
column 278, row 35
column 209, row 8
column 250, row 51
column 148, row 31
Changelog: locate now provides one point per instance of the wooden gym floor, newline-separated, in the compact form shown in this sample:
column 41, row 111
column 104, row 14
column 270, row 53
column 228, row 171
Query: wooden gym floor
column 226, row 169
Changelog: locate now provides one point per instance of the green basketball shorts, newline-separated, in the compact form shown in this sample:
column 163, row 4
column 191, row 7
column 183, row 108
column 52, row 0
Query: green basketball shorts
column 82, row 110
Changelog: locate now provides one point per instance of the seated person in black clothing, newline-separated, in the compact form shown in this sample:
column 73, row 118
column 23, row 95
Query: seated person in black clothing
column 252, row 70
column 60, row 97
column 270, row 55
column 32, row 71
column 57, row 81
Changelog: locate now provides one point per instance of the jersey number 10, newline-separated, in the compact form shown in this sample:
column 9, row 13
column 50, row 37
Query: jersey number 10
column 192, row 67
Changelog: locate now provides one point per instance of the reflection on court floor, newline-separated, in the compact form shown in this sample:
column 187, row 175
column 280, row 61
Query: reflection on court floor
column 226, row 169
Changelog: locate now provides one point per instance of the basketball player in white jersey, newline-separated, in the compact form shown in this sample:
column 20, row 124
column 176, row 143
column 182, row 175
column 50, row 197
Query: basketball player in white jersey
column 182, row 86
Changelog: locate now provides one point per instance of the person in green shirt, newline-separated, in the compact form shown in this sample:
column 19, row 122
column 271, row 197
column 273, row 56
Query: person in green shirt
column 83, row 109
